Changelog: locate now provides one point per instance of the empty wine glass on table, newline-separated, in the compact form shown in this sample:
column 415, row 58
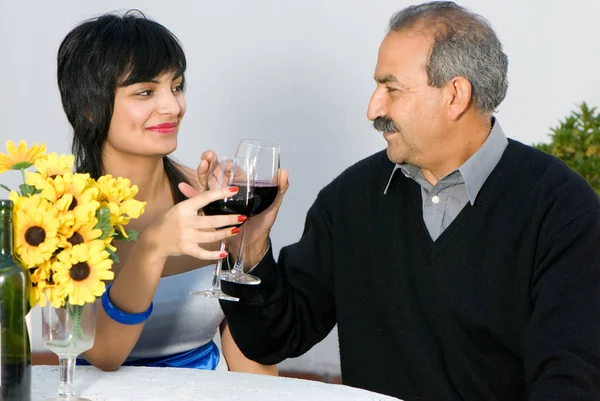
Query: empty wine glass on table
column 225, row 171
column 265, row 159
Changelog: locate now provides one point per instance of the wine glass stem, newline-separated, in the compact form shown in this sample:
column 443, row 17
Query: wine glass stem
column 216, row 281
column 238, row 266
column 67, row 370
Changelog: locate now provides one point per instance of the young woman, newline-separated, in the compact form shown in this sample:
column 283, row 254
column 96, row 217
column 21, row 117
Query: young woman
column 121, row 80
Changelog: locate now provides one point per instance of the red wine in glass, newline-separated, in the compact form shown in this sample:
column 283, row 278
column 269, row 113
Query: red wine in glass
column 265, row 193
column 265, row 158
column 228, row 171
column 237, row 204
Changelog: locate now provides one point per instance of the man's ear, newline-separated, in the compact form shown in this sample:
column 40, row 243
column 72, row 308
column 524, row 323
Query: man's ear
column 459, row 95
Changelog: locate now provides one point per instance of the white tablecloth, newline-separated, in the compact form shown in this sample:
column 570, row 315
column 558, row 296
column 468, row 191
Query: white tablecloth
column 159, row 384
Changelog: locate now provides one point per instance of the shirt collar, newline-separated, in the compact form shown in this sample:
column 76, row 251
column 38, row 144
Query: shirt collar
column 479, row 166
column 476, row 169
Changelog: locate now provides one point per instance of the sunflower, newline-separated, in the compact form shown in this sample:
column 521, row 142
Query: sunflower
column 81, row 231
column 75, row 184
column 72, row 197
column 38, row 276
column 20, row 157
column 71, row 220
column 80, row 271
column 53, row 294
column 36, row 225
column 43, row 288
column 54, row 165
column 50, row 166
column 117, row 194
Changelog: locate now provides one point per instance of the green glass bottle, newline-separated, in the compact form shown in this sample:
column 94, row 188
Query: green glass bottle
column 15, row 351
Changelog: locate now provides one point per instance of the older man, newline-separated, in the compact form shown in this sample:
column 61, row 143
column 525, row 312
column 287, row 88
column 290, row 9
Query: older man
column 461, row 265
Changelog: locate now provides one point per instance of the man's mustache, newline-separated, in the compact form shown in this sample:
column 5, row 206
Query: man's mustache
column 385, row 125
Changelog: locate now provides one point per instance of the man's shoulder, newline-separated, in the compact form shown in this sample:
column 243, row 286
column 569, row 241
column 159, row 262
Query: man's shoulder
column 371, row 167
column 371, row 172
column 547, row 176
column 536, row 163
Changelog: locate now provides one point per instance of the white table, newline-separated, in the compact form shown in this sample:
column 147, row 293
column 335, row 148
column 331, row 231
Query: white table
column 160, row 384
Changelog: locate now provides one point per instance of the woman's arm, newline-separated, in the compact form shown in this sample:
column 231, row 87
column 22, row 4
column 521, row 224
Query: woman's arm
column 236, row 361
column 132, row 292
column 179, row 231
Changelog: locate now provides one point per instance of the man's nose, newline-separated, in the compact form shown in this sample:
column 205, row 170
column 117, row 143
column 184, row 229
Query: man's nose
column 377, row 106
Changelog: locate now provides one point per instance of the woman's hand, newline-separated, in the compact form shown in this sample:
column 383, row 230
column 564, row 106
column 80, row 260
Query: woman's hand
column 183, row 230
column 258, row 228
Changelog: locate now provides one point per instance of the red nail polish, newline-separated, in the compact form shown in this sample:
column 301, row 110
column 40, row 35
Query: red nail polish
column 233, row 189
column 235, row 230
column 223, row 255
column 242, row 218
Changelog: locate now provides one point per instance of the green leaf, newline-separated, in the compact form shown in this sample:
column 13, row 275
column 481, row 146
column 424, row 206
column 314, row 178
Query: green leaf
column 113, row 255
column 131, row 234
column 571, row 139
column 103, row 216
column 21, row 166
column 27, row 190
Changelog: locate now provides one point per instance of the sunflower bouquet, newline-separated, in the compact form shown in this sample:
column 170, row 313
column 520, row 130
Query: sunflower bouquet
column 65, row 224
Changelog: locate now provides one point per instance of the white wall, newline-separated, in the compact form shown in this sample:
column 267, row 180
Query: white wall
column 298, row 73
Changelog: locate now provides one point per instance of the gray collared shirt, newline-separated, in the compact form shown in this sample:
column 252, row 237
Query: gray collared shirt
column 443, row 201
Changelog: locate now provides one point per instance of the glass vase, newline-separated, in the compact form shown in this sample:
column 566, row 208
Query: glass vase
column 68, row 331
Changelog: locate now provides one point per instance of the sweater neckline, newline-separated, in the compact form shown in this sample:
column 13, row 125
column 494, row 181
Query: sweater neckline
column 468, row 212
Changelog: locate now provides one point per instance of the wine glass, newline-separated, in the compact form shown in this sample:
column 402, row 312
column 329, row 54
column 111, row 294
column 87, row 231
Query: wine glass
column 265, row 158
column 68, row 331
column 227, row 171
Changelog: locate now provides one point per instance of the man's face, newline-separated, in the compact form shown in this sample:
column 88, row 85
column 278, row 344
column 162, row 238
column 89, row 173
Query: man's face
column 409, row 112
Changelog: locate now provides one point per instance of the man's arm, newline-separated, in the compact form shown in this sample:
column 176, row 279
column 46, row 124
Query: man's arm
column 293, row 308
column 562, row 341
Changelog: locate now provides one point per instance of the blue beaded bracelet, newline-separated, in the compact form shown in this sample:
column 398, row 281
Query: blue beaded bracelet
column 123, row 317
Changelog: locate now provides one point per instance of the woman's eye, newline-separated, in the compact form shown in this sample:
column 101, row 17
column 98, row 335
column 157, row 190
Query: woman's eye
column 146, row 92
column 178, row 88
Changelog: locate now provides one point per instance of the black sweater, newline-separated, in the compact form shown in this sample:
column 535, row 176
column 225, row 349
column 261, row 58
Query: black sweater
column 505, row 305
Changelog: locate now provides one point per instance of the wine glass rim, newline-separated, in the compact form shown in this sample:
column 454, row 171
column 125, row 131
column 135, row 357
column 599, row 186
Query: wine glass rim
column 221, row 157
column 259, row 142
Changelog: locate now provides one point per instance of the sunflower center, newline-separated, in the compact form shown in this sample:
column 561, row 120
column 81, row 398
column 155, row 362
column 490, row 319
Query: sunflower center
column 75, row 239
column 80, row 271
column 35, row 235
column 73, row 204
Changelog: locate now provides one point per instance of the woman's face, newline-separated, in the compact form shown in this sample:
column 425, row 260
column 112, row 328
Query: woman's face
column 146, row 117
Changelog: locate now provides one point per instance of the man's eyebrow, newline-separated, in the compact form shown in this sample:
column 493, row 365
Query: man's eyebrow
column 387, row 79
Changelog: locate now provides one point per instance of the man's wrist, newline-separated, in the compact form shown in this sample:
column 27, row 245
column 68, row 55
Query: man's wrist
column 254, row 254
column 251, row 268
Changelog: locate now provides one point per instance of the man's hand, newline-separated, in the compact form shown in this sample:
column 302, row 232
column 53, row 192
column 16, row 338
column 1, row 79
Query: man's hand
column 257, row 229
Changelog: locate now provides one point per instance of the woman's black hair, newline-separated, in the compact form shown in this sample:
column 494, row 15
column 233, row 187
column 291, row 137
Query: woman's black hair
column 100, row 55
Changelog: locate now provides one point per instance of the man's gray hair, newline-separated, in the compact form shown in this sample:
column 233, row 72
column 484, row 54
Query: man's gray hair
column 464, row 45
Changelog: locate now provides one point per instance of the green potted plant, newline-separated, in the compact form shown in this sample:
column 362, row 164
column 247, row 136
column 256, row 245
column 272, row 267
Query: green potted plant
column 576, row 140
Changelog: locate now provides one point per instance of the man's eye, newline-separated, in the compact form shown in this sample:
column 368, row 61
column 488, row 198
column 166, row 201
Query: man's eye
column 391, row 89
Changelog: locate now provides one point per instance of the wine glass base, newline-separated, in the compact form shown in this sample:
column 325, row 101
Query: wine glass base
column 211, row 293
column 71, row 398
column 240, row 278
